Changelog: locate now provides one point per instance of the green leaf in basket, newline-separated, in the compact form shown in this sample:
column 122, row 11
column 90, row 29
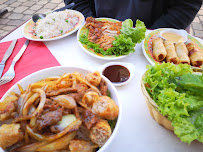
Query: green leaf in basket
column 178, row 94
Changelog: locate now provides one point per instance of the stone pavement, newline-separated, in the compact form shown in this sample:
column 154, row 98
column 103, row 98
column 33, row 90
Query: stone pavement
column 20, row 11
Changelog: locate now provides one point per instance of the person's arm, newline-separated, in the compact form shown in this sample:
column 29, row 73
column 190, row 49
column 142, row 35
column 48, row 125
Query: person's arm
column 180, row 15
column 86, row 7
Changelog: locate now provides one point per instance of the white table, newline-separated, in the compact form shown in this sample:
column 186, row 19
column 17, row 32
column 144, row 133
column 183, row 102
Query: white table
column 138, row 131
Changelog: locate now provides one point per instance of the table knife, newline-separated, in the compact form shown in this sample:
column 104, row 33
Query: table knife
column 6, row 56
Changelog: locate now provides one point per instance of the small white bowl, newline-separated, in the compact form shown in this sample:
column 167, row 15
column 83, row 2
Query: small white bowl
column 182, row 33
column 129, row 66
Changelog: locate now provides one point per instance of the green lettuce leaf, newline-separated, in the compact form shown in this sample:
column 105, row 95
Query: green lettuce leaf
column 185, row 130
column 137, row 34
column 191, row 82
column 171, row 104
column 121, row 46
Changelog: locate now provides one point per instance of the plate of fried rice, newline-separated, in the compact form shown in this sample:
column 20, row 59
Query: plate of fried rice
column 54, row 26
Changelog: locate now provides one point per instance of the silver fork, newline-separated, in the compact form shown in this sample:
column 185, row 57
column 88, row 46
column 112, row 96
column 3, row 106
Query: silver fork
column 10, row 74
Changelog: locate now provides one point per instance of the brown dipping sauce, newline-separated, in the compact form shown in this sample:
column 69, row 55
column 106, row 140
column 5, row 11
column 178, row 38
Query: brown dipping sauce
column 116, row 73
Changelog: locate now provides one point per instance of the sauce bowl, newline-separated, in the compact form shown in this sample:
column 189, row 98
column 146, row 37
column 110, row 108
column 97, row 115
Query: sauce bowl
column 118, row 71
column 181, row 33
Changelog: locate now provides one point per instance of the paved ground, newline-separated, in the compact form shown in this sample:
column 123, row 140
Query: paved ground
column 21, row 10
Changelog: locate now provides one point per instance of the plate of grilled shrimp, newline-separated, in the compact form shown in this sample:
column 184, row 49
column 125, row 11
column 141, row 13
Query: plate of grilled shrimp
column 156, row 48
column 60, row 109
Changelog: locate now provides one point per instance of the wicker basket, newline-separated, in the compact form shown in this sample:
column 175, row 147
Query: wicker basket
column 153, row 108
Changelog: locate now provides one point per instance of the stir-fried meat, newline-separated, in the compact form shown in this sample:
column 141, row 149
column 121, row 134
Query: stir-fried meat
column 81, row 89
column 60, row 91
column 51, row 114
column 89, row 119
column 49, row 118
column 102, row 32
column 103, row 88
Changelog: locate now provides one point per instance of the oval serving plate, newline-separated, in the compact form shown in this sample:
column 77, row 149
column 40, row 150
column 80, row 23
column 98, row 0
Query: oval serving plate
column 91, row 51
column 30, row 24
column 60, row 70
column 147, row 45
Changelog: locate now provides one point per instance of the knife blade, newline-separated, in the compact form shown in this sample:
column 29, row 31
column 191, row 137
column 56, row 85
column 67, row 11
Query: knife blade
column 6, row 56
column 20, row 53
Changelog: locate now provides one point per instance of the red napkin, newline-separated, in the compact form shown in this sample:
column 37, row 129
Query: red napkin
column 36, row 57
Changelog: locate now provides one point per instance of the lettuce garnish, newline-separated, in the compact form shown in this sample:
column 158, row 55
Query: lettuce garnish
column 178, row 94
column 124, row 43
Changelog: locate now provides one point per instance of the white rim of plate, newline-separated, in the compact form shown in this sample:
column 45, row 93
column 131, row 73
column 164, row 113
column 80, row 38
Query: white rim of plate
column 113, row 57
column 58, row 37
column 118, row 123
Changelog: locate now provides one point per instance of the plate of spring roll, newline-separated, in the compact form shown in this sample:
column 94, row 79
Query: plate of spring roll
column 158, row 49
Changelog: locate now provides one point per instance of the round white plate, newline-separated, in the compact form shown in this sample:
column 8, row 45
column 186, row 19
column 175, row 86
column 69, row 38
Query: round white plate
column 91, row 52
column 29, row 24
column 60, row 70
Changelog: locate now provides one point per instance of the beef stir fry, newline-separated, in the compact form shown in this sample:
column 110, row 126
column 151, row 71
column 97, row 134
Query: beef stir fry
column 67, row 113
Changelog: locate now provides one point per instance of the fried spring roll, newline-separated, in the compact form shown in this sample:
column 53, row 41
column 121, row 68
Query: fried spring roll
column 182, row 53
column 159, row 50
column 196, row 55
column 171, row 53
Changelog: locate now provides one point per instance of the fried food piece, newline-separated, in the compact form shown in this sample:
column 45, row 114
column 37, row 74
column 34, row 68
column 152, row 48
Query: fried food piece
column 159, row 50
column 182, row 53
column 89, row 98
column 196, row 55
column 93, row 78
column 106, row 108
column 171, row 52
column 9, row 135
column 7, row 106
column 81, row 146
column 100, row 133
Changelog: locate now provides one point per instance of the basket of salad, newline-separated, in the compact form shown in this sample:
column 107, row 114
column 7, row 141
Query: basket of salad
column 174, row 96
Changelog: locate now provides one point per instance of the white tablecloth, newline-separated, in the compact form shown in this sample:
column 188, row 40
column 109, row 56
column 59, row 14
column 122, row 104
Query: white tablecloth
column 138, row 131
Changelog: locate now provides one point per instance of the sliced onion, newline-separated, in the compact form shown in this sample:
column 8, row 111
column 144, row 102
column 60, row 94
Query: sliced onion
column 70, row 128
column 66, row 120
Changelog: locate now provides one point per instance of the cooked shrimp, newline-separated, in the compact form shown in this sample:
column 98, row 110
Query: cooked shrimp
column 100, row 133
column 106, row 108
column 93, row 78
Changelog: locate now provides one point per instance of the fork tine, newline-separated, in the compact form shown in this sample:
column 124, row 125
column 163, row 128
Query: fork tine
column 5, row 80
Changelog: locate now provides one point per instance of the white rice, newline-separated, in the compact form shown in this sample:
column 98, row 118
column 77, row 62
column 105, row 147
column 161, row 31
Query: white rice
column 54, row 24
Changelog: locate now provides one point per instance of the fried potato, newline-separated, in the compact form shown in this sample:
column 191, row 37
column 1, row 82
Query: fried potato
column 32, row 147
column 59, row 143
column 9, row 135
